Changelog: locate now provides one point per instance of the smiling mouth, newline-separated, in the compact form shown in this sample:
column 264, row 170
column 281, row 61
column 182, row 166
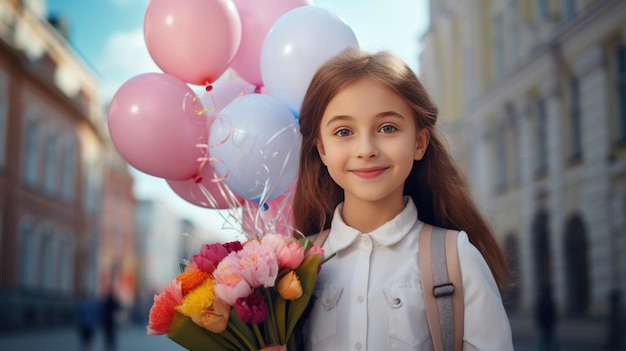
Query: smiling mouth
column 369, row 172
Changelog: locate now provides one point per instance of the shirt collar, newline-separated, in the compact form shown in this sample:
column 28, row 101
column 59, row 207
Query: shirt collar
column 341, row 235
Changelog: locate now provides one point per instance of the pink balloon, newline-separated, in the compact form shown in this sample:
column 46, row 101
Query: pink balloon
column 155, row 123
column 257, row 17
column 194, row 40
column 206, row 190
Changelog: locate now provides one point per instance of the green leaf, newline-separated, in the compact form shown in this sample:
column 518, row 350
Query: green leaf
column 280, row 306
column 235, row 323
column 191, row 336
column 307, row 272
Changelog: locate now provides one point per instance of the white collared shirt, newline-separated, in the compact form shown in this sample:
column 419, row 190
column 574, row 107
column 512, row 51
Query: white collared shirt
column 369, row 295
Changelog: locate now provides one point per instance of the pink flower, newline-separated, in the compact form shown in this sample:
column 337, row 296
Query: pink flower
column 315, row 250
column 291, row 255
column 274, row 241
column 252, row 309
column 209, row 257
column 229, row 281
column 259, row 265
column 163, row 309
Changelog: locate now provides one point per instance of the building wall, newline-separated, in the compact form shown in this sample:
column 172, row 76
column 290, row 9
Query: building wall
column 536, row 117
column 53, row 158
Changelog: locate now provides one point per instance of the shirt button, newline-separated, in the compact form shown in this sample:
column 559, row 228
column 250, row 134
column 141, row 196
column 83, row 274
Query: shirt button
column 365, row 240
column 358, row 346
column 359, row 299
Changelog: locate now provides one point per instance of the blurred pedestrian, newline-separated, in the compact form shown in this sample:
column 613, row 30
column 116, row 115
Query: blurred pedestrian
column 546, row 320
column 87, row 318
column 110, row 306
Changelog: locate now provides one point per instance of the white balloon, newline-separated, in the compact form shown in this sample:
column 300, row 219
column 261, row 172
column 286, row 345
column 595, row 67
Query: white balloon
column 298, row 43
column 257, row 142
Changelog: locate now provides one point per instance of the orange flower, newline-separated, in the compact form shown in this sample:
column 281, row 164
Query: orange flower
column 215, row 317
column 289, row 286
column 191, row 279
column 163, row 309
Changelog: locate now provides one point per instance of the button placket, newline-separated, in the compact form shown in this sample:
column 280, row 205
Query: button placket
column 360, row 282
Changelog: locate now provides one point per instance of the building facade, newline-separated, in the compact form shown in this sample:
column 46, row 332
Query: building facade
column 532, row 96
column 54, row 156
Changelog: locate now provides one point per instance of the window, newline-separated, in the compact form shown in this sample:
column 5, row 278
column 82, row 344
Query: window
column 569, row 9
column 47, row 262
column 4, row 116
column 541, row 9
column 501, row 151
column 93, row 186
column 68, row 168
column 575, row 142
column 468, row 72
column 28, row 253
column 31, row 149
column 542, row 139
column 514, row 31
column 66, row 262
column 51, row 162
column 498, row 47
column 620, row 80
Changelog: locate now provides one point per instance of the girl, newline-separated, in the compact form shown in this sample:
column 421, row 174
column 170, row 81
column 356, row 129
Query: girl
column 373, row 170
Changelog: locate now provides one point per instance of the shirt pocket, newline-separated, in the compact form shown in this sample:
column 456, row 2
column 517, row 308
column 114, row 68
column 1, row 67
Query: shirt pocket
column 323, row 318
column 408, row 326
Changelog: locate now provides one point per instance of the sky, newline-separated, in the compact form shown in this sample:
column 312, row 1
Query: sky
column 108, row 36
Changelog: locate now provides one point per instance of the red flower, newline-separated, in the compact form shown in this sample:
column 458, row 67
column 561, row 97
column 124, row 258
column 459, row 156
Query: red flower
column 251, row 309
column 233, row 246
column 209, row 257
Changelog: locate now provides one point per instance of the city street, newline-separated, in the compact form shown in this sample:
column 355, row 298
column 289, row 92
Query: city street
column 578, row 336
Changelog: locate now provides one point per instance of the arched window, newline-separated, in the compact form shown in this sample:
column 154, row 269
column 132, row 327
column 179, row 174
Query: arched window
column 28, row 253
column 48, row 255
column 541, row 251
column 576, row 266
column 511, row 296
column 66, row 262
column 68, row 167
column 51, row 160
column 31, row 148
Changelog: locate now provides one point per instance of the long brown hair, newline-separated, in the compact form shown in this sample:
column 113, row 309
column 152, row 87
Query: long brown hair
column 436, row 184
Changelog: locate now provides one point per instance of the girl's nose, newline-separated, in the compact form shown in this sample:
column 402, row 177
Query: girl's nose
column 367, row 147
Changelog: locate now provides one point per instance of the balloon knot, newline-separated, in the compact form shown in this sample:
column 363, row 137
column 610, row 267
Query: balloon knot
column 257, row 89
column 266, row 207
column 197, row 179
column 208, row 87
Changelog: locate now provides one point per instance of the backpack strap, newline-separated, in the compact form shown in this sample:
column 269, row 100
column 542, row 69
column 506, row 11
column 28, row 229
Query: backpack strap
column 442, row 287
column 321, row 238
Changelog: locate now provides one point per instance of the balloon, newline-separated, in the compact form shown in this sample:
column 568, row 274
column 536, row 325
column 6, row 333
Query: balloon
column 256, row 20
column 207, row 190
column 298, row 43
column 257, row 141
column 155, row 125
column 223, row 93
column 194, row 40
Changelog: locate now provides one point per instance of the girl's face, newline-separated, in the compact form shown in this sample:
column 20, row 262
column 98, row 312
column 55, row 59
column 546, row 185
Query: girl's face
column 369, row 140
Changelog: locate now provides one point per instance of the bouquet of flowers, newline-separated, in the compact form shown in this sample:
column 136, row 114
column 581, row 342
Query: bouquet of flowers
column 239, row 296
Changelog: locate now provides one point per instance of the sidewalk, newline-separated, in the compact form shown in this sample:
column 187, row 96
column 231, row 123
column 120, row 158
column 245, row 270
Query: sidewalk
column 129, row 338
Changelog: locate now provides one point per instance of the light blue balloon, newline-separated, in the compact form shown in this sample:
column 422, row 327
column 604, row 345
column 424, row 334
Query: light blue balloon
column 298, row 43
column 254, row 145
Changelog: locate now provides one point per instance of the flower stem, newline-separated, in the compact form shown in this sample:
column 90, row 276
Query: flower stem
column 259, row 337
